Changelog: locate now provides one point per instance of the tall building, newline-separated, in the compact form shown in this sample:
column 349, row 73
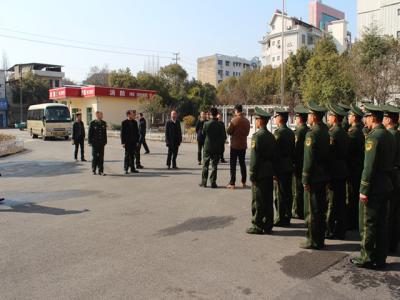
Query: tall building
column 320, row 15
column 383, row 13
column 51, row 73
column 216, row 68
column 297, row 34
column 3, row 100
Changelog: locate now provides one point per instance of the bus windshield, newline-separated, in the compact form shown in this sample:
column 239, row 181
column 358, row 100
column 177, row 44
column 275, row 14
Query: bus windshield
column 57, row 114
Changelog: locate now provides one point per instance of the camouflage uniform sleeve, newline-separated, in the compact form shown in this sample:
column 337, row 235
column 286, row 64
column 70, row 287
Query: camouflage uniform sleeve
column 90, row 133
column 369, row 163
column 308, row 158
column 253, row 159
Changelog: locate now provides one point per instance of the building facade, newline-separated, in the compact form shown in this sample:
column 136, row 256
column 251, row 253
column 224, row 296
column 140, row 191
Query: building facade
column 320, row 15
column 298, row 34
column 113, row 102
column 216, row 68
column 3, row 100
column 52, row 73
column 382, row 13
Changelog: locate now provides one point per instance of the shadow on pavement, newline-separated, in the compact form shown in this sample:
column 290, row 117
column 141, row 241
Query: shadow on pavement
column 348, row 247
column 289, row 232
column 39, row 168
column 32, row 208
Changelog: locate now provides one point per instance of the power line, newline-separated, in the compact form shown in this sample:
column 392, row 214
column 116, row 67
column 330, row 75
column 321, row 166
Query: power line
column 79, row 47
column 83, row 42
column 176, row 57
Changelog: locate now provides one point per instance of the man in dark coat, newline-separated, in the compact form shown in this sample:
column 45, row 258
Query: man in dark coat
column 78, row 137
column 142, row 131
column 130, row 140
column 173, row 139
column 98, row 140
column 215, row 136
column 199, row 134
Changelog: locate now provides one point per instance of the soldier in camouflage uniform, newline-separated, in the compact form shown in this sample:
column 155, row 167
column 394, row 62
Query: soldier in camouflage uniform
column 98, row 139
column 316, row 176
column 375, row 191
column 339, row 144
column 300, row 136
column 263, row 158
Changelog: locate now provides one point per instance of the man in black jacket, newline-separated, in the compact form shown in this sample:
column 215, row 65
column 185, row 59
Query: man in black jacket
column 78, row 137
column 173, row 139
column 142, row 131
column 130, row 140
column 200, row 137
column 98, row 140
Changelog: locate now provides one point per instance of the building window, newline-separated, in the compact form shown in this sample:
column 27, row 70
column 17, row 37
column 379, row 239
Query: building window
column 303, row 39
column 273, row 43
column 57, row 83
column 310, row 40
column 398, row 34
column 89, row 115
column 51, row 83
column 220, row 62
column 227, row 63
column 398, row 11
column 273, row 58
column 220, row 72
column 227, row 73
column 278, row 58
column 74, row 111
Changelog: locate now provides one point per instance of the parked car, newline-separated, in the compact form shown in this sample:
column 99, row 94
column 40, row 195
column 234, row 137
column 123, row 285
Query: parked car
column 20, row 126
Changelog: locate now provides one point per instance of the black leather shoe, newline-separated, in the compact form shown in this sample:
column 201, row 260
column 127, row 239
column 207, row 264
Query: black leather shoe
column 83, row 159
column 202, row 185
column 175, row 168
column 214, row 186
column 139, row 167
column 359, row 264
column 134, row 171
column 94, row 173
column 126, row 172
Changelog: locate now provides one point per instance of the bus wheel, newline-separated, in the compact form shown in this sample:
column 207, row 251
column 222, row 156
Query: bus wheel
column 34, row 136
column 44, row 137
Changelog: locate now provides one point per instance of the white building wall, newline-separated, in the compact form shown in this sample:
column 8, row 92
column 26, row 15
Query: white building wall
column 383, row 13
column 338, row 30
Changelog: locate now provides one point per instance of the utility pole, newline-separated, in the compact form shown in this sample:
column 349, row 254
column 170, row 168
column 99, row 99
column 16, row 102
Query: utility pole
column 283, row 56
column 20, row 94
column 176, row 57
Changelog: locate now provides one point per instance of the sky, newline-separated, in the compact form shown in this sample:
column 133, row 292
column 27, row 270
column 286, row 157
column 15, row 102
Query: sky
column 132, row 32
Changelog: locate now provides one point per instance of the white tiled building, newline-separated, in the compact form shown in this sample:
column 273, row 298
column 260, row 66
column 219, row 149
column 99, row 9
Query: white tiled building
column 297, row 34
column 383, row 13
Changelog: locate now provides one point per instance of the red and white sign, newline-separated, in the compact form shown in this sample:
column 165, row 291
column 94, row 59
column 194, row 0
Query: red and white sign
column 99, row 91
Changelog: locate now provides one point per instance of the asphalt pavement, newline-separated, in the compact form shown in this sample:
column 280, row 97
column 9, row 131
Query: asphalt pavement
column 67, row 234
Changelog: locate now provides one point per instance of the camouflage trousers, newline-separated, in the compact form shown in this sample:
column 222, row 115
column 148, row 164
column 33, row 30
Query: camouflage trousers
column 262, row 207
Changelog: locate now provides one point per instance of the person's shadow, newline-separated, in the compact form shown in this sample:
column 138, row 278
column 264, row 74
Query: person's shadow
column 33, row 208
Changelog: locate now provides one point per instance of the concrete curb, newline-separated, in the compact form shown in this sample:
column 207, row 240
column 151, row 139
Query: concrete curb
column 11, row 147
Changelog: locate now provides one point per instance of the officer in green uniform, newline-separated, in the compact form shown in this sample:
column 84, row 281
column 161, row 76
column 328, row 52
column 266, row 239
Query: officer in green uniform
column 316, row 176
column 98, row 139
column 285, row 140
column 262, row 161
column 391, row 122
column 338, row 151
column 215, row 136
column 355, row 163
column 300, row 136
column 345, row 123
column 376, row 186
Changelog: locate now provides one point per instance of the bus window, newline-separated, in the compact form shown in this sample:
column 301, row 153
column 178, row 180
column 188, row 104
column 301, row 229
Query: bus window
column 57, row 114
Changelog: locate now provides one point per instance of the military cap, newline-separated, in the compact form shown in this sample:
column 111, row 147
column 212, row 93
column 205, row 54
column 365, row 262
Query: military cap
column 371, row 109
column 262, row 114
column 387, row 108
column 336, row 110
column 344, row 106
column 300, row 109
column 313, row 107
column 355, row 110
column 281, row 111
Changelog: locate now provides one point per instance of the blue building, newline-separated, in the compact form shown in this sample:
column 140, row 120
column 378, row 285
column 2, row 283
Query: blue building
column 3, row 100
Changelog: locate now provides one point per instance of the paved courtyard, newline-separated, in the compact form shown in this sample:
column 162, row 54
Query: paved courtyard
column 66, row 234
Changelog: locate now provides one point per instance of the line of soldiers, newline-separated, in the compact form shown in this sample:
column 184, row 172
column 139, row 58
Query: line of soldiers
column 345, row 173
